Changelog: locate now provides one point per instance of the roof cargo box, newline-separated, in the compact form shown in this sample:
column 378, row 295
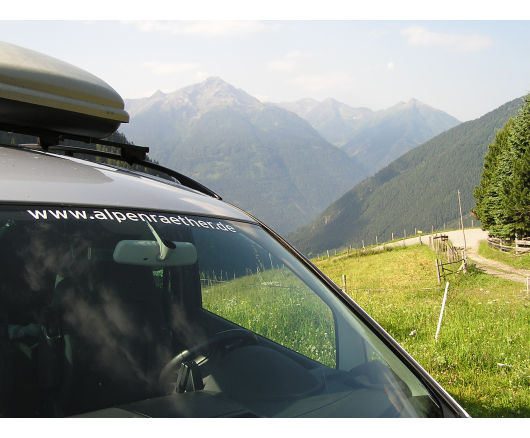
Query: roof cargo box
column 41, row 92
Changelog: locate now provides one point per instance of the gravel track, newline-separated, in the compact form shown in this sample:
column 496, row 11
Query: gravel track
column 473, row 237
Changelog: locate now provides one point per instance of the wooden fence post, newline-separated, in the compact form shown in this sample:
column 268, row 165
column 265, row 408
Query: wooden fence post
column 344, row 282
column 328, row 253
column 438, row 272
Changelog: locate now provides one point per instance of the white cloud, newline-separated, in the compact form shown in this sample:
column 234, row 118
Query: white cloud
column 320, row 82
column 169, row 68
column 420, row 36
column 212, row 28
column 287, row 62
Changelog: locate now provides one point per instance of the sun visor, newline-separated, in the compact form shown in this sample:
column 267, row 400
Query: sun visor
column 38, row 91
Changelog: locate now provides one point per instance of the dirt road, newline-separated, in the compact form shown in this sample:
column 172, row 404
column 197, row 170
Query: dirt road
column 473, row 237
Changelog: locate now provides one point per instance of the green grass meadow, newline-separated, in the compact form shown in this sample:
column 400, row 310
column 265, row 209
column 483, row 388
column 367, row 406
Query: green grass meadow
column 277, row 305
column 482, row 355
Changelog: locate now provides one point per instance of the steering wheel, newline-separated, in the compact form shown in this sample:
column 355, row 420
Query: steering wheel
column 221, row 341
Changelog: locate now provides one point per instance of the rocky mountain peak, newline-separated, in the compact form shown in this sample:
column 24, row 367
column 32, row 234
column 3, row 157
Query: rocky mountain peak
column 410, row 104
column 197, row 99
column 158, row 94
column 215, row 92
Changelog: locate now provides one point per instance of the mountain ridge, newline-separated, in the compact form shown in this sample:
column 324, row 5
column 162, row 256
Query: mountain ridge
column 375, row 138
column 258, row 156
column 395, row 131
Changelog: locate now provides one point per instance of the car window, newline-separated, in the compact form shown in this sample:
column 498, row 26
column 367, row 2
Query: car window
column 104, row 308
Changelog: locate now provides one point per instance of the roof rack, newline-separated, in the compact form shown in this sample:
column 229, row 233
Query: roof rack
column 131, row 154
column 46, row 138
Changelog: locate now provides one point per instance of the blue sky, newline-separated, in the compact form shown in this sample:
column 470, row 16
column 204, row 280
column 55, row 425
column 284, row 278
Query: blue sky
column 465, row 68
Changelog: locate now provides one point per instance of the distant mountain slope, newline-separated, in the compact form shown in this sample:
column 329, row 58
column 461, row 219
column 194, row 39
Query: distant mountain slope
column 375, row 138
column 335, row 121
column 417, row 190
column 262, row 158
column 395, row 131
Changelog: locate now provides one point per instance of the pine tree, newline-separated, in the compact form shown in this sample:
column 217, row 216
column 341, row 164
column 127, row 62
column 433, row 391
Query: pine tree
column 503, row 196
column 518, row 198
column 487, row 193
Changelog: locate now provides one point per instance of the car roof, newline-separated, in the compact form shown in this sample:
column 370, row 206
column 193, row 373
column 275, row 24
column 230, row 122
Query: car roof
column 36, row 177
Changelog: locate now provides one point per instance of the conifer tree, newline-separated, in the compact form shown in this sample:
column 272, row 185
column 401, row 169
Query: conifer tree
column 518, row 197
column 487, row 193
column 503, row 196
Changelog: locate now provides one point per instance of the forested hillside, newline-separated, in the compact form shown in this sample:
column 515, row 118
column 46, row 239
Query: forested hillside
column 417, row 190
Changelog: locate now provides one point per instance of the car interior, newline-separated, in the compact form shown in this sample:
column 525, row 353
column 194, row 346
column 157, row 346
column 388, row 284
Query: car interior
column 85, row 335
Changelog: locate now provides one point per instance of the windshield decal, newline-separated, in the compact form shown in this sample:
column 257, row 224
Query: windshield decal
column 119, row 216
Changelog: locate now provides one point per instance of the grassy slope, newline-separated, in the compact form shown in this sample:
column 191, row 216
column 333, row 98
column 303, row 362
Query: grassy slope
column 486, row 323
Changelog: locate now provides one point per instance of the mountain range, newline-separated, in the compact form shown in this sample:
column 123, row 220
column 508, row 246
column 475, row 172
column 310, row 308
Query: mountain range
column 375, row 138
column 258, row 156
column 334, row 120
column 418, row 190
column 276, row 161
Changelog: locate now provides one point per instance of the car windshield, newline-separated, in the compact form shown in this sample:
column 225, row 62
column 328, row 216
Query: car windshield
column 107, row 312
